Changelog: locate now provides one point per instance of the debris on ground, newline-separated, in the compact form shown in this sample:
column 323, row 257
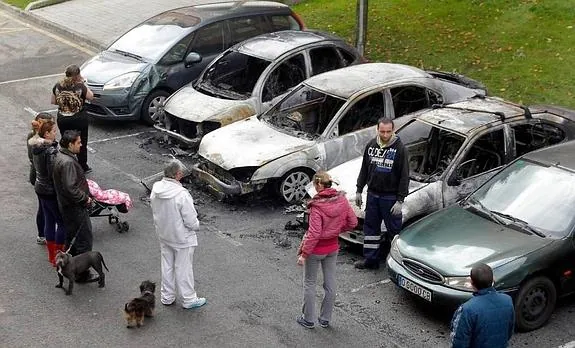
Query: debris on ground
column 176, row 151
column 282, row 242
column 295, row 208
column 293, row 225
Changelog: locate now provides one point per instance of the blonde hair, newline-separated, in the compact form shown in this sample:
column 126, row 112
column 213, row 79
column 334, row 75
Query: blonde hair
column 323, row 178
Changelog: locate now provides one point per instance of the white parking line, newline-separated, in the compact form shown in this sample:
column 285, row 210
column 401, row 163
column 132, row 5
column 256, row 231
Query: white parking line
column 568, row 345
column 119, row 137
column 30, row 79
column 223, row 236
column 381, row 282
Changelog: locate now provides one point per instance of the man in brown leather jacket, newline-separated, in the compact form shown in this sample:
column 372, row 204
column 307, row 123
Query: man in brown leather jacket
column 73, row 195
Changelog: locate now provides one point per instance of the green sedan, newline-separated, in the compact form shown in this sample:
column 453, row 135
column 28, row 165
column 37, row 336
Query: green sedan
column 521, row 222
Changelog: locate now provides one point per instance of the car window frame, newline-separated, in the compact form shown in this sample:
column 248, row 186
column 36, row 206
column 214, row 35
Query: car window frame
column 414, row 84
column 451, row 171
column 263, row 18
column 196, row 37
column 259, row 87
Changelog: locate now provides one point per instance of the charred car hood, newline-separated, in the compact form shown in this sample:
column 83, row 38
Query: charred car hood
column 248, row 143
column 108, row 65
column 452, row 240
column 189, row 104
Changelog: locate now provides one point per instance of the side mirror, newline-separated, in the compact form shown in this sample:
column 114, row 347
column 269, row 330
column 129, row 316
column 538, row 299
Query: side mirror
column 192, row 58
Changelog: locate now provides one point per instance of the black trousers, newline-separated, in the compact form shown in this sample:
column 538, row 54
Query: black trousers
column 80, row 123
column 77, row 223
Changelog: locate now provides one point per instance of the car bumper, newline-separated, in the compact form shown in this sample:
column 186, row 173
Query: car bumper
column 223, row 184
column 115, row 105
column 193, row 142
column 440, row 295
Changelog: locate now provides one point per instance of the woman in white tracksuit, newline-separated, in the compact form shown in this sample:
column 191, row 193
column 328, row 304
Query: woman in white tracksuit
column 176, row 222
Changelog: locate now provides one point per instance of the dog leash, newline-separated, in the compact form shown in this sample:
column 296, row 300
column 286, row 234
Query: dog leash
column 74, row 239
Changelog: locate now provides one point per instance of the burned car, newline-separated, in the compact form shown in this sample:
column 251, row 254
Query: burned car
column 244, row 80
column 455, row 148
column 323, row 122
column 137, row 72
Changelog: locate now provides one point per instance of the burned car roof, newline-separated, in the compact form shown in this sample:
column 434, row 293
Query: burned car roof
column 364, row 76
column 465, row 116
column 273, row 45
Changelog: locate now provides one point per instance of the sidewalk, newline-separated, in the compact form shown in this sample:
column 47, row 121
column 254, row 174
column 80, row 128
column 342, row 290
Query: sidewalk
column 99, row 23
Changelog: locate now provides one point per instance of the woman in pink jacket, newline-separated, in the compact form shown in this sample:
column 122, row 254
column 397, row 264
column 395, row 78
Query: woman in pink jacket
column 329, row 215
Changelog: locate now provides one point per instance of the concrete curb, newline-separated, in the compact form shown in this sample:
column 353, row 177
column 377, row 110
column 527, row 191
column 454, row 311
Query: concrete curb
column 69, row 34
column 42, row 3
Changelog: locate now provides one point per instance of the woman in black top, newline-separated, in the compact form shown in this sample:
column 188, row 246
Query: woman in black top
column 71, row 114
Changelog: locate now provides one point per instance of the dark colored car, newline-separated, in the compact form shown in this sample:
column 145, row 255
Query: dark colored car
column 521, row 222
column 134, row 76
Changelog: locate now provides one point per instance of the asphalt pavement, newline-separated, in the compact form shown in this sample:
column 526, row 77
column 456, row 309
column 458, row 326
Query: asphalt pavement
column 245, row 264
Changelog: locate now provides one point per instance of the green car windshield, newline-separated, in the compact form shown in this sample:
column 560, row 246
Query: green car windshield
column 541, row 196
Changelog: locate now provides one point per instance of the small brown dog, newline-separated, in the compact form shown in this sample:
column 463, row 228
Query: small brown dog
column 138, row 308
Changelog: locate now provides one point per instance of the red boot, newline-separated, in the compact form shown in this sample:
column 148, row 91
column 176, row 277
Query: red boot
column 51, row 246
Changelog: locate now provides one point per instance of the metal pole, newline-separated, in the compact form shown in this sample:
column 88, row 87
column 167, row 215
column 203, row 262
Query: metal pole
column 361, row 32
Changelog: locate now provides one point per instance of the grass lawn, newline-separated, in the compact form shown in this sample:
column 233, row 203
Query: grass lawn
column 523, row 50
column 19, row 3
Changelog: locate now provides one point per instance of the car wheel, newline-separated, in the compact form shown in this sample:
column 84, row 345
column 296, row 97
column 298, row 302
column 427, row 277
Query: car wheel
column 151, row 105
column 291, row 187
column 535, row 303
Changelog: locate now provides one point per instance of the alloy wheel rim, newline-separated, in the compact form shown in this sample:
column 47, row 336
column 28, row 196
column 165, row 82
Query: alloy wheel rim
column 154, row 106
column 535, row 303
column 293, row 187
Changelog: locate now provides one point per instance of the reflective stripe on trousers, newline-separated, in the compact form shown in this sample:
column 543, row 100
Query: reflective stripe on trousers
column 377, row 209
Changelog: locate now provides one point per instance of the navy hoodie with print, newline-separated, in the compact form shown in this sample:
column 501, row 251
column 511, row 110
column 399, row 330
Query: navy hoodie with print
column 385, row 169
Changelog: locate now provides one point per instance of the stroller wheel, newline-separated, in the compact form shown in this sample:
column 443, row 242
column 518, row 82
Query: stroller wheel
column 125, row 226
column 113, row 220
column 119, row 228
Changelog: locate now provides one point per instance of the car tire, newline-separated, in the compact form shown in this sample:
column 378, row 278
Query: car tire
column 291, row 187
column 535, row 303
column 149, row 114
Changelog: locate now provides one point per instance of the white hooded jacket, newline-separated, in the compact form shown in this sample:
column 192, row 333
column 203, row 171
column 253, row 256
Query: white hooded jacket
column 175, row 217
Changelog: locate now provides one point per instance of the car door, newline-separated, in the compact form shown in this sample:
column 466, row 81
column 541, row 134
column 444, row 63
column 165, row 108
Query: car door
column 279, row 79
column 349, row 132
column 481, row 158
column 208, row 42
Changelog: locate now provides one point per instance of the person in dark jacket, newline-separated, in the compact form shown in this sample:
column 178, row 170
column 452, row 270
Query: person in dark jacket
column 486, row 320
column 385, row 170
column 31, row 140
column 73, row 196
column 73, row 116
column 43, row 154
column 329, row 215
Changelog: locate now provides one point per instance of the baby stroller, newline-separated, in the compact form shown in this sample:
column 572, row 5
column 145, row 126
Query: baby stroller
column 110, row 203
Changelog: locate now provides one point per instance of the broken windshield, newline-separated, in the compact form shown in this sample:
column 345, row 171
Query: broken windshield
column 305, row 112
column 233, row 76
column 431, row 149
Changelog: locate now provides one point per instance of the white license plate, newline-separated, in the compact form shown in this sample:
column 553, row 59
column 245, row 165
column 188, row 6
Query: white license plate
column 414, row 288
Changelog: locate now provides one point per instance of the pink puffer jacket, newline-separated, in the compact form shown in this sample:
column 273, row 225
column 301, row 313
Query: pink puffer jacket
column 329, row 215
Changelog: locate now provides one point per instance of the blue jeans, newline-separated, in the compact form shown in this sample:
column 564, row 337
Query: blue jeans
column 40, row 219
column 53, row 224
column 377, row 209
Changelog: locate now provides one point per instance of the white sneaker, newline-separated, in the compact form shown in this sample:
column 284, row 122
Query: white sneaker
column 40, row 240
column 196, row 303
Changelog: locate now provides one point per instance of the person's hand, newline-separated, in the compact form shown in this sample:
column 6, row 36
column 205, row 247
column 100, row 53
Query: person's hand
column 89, row 201
column 358, row 199
column 300, row 260
column 396, row 208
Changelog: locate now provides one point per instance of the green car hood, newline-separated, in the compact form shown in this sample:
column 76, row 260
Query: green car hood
column 452, row 240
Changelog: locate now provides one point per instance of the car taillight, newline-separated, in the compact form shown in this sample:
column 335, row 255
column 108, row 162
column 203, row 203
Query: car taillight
column 298, row 20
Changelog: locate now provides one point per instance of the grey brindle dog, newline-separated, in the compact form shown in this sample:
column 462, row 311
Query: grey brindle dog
column 70, row 266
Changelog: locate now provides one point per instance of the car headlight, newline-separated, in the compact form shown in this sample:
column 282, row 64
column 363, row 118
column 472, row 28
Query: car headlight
column 122, row 81
column 394, row 251
column 459, row 283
